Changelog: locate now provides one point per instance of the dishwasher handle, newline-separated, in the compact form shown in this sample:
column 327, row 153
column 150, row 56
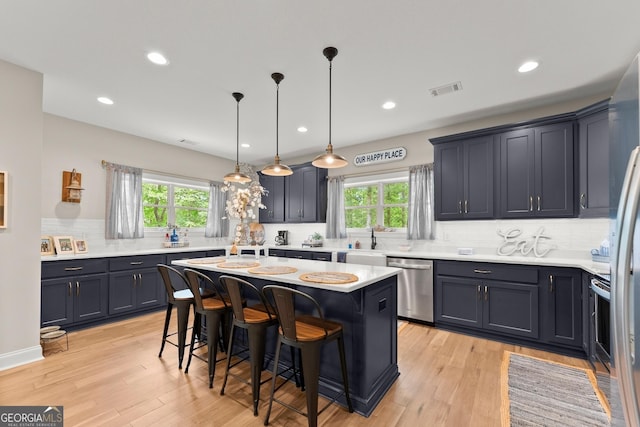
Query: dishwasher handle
column 409, row 266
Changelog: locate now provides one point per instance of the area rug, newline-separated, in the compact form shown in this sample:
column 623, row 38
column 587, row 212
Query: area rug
column 537, row 392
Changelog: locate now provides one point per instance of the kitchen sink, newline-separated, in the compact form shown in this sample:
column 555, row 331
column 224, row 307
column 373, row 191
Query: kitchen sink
column 366, row 257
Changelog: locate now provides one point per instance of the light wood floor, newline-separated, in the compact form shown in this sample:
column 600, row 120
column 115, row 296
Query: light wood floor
column 111, row 375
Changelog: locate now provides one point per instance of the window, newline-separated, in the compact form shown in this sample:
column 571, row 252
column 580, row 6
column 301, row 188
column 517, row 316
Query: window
column 383, row 201
column 167, row 200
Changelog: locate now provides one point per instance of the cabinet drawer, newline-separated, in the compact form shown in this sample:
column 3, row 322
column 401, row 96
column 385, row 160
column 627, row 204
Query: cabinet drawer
column 184, row 255
column 321, row 256
column 488, row 271
column 135, row 262
column 66, row 268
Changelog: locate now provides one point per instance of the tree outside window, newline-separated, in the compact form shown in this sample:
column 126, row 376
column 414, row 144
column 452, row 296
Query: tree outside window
column 384, row 203
column 171, row 203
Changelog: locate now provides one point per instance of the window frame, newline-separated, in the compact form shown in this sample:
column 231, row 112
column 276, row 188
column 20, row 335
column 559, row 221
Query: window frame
column 379, row 180
column 172, row 182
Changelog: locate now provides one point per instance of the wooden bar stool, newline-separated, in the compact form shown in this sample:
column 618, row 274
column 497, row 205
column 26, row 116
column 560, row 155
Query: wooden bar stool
column 214, row 309
column 255, row 320
column 181, row 297
column 308, row 334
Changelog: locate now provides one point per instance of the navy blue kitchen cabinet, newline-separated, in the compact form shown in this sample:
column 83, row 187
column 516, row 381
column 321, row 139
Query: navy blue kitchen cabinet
column 562, row 308
column 536, row 172
column 273, row 200
column 306, row 194
column 135, row 284
column 289, row 253
column 464, row 179
column 593, row 131
column 495, row 298
column 73, row 292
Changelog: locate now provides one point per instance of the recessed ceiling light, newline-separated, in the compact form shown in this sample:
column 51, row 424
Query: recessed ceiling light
column 105, row 100
column 245, row 145
column 528, row 66
column 157, row 58
column 389, row 105
column 302, row 129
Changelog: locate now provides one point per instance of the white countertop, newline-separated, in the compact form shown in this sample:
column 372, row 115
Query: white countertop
column 367, row 274
column 437, row 254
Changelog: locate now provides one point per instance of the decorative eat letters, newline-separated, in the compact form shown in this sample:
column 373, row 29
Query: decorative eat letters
column 514, row 243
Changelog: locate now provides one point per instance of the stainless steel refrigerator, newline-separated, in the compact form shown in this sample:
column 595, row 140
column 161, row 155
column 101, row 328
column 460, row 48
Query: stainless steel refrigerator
column 624, row 171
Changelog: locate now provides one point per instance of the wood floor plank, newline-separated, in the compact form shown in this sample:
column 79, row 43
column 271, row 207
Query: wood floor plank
column 112, row 375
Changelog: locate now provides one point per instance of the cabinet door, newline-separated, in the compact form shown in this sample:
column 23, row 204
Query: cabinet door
column 321, row 256
column 149, row 288
column 273, row 200
column 478, row 178
column 511, row 308
column 57, row 302
column 594, row 165
column 458, row 301
column 517, row 149
column 294, row 190
column 298, row 254
column 554, row 195
column 309, row 194
column 563, row 308
column 122, row 292
column 448, row 180
column 91, row 294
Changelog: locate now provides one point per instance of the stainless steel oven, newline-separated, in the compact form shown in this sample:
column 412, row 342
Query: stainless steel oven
column 601, row 326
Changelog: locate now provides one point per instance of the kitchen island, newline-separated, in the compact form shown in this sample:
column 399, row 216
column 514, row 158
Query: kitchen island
column 367, row 309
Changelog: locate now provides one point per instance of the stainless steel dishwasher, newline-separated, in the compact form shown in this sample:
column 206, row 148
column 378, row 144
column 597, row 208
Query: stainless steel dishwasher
column 415, row 288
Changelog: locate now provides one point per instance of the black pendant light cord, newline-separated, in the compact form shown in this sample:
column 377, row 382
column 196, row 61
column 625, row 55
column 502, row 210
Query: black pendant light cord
column 277, row 116
column 237, row 96
column 330, row 67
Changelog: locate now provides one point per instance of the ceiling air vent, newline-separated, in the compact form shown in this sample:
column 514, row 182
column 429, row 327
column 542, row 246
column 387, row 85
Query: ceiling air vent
column 443, row 90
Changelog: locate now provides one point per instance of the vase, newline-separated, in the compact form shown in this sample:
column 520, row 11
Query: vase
column 243, row 231
column 256, row 233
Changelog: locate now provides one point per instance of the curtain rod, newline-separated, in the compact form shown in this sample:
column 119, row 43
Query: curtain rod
column 173, row 175
column 353, row 175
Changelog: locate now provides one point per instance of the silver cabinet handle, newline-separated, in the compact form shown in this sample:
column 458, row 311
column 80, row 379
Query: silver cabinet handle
column 134, row 280
column 77, row 289
column 530, row 203
column 459, row 206
column 538, row 203
column 551, row 283
column 466, row 206
column 409, row 266
column 70, row 288
column 139, row 279
column 72, row 268
column 482, row 271
column 583, row 200
column 136, row 263
column 480, row 292
column 486, row 293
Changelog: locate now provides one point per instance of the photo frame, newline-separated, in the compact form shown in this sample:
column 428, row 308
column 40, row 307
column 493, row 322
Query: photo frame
column 46, row 246
column 80, row 246
column 63, row 245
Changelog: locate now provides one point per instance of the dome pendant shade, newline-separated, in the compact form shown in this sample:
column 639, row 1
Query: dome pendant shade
column 277, row 169
column 329, row 160
column 236, row 175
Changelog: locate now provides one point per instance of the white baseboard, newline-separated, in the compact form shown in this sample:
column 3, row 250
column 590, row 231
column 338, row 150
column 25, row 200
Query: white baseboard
column 20, row 357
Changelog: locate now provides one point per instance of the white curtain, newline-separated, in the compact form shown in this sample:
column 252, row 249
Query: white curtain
column 336, row 223
column 420, row 221
column 124, row 218
column 216, row 225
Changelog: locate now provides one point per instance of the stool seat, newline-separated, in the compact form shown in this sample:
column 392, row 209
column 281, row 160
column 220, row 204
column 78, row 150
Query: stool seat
column 213, row 304
column 311, row 328
column 183, row 294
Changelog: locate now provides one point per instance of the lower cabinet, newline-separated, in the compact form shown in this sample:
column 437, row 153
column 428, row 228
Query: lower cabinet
column 541, row 305
column 72, row 298
column 135, row 284
column 290, row 253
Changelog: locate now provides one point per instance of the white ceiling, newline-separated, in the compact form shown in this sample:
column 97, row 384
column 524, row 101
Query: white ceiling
column 388, row 50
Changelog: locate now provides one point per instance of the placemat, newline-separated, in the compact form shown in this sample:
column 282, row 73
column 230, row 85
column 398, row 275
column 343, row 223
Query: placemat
column 208, row 260
column 273, row 269
column 329, row 277
column 239, row 264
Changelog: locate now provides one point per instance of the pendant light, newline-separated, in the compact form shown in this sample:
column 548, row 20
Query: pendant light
column 277, row 169
column 329, row 160
column 237, row 176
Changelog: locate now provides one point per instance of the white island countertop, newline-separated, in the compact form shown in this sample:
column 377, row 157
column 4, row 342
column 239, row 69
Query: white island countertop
column 367, row 274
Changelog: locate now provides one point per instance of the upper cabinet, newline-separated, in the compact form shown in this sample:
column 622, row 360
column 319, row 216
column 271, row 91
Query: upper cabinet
column 536, row 172
column 464, row 179
column 301, row 197
column 594, row 163
column 273, row 200
column 305, row 194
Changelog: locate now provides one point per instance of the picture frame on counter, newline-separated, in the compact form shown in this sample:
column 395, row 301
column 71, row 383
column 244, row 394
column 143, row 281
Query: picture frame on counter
column 63, row 245
column 47, row 246
column 80, row 246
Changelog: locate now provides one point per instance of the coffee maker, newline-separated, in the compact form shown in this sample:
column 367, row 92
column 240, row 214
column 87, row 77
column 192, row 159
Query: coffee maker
column 282, row 238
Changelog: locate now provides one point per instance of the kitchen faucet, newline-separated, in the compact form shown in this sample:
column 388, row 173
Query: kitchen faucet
column 373, row 239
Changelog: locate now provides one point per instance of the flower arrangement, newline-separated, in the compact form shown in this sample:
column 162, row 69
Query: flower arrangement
column 242, row 200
